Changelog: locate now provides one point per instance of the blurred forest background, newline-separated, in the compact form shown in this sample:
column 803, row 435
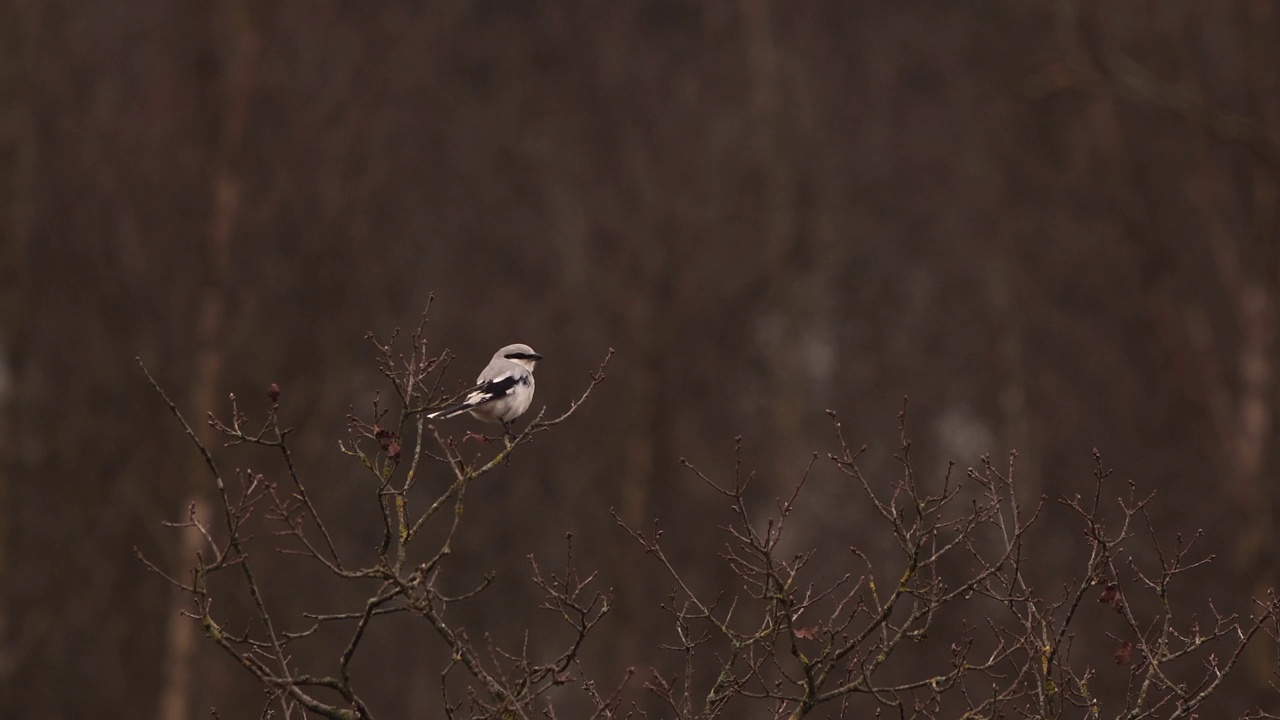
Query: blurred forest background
column 1054, row 224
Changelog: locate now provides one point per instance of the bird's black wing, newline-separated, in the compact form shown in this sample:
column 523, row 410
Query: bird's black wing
column 485, row 392
column 491, row 390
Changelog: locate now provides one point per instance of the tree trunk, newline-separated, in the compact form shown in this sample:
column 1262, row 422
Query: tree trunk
column 238, row 64
column 17, row 163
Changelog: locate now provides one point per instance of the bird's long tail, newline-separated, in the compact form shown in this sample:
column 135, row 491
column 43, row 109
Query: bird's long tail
column 451, row 411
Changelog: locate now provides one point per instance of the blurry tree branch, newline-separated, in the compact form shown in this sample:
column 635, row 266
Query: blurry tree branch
column 1096, row 66
column 1131, row 81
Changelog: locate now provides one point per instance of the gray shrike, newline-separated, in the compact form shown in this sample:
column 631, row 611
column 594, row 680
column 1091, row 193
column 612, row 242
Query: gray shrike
column 503, row 391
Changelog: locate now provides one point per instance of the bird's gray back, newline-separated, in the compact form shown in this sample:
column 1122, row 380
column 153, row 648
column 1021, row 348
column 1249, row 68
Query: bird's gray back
column 500, row 366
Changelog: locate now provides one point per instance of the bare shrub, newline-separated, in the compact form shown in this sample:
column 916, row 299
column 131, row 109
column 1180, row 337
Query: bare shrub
column 952, row 624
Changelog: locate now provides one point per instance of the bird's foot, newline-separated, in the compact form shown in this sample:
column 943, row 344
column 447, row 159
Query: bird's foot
column 508, row 439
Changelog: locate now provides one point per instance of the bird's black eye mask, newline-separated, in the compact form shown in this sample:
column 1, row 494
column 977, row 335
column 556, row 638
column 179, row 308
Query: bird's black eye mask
column 523, row 356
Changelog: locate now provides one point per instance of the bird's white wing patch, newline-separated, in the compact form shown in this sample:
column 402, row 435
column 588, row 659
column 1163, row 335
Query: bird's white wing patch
column 493, row 388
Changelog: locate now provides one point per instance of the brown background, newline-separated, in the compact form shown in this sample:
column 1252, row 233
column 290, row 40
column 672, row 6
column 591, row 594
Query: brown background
column 1052, row 224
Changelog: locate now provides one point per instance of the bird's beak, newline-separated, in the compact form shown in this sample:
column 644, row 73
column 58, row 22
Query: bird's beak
column 535, row 356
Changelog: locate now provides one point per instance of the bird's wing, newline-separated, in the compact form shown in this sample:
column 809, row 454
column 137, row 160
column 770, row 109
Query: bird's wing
column 492, row 389
column 485, row 391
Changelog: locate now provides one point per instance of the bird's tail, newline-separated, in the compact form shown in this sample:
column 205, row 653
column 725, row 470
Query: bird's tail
column 450, row 411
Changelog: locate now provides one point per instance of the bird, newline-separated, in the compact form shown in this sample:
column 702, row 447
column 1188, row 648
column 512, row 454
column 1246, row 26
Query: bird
column 503, row 390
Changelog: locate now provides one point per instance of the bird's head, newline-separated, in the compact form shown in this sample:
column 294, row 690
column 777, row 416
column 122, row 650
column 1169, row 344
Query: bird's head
column 519, row 354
